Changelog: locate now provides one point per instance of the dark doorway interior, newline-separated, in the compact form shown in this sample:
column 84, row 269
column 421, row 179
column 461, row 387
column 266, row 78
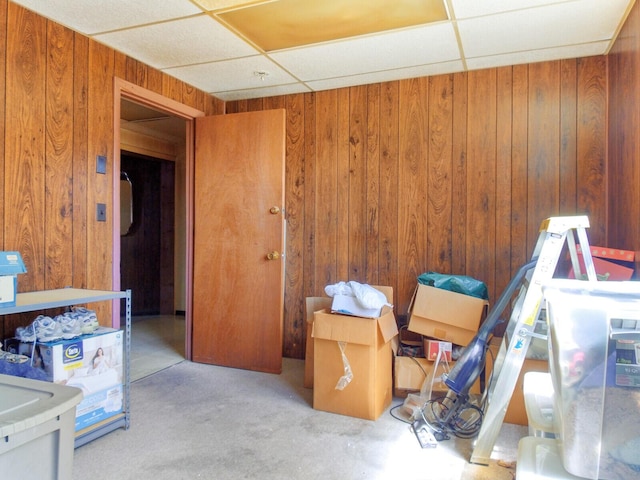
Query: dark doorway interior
column 147, row 250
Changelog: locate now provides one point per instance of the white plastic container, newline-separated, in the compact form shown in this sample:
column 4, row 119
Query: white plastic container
column 538, row 402
column 596, row 421
column 37, row 430
column 538, row 459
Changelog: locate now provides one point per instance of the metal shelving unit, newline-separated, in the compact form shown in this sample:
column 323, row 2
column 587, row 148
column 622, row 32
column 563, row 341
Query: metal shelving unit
column 65, row 297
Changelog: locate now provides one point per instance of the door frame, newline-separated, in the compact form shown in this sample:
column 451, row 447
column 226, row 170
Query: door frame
column 129, row 91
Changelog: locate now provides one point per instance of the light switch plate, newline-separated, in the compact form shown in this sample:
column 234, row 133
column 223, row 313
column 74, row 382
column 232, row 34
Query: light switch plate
column 101, row 164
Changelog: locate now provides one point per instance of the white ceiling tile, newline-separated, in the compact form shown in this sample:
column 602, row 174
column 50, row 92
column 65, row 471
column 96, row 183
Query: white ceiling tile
column 262, row 92
column 388, row 75
column 549, row 54
column 405, row 48
column 556, row 25
column 91, row 17
column 178, row 38
column 233, row 74
column 181, row 42
column 475, row 8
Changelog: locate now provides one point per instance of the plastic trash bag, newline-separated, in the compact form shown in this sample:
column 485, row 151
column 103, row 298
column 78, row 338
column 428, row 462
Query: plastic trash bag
column 455, row 283
column 366, row 295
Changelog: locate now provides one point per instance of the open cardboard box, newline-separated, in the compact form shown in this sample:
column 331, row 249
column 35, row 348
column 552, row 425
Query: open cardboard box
column 315, row 304
column 368, row 352
column 445, row 315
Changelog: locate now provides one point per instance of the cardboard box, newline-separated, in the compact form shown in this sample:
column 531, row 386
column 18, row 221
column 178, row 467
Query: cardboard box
column 516, row 411
column 76, row 363
column 313, row 304
column 409, row 374
column 11, row 265
column 445, row 315
column 368, row 352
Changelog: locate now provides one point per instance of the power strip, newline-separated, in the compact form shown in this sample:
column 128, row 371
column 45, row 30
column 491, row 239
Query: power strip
column 423, row 434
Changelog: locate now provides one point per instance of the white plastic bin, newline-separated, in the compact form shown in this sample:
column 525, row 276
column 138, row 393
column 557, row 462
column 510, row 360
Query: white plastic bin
column 37, row 429
column 538, row 459
column 538, row 401
column 597, row 421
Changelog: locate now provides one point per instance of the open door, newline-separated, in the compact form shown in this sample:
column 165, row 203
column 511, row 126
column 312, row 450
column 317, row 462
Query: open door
column 238, row 271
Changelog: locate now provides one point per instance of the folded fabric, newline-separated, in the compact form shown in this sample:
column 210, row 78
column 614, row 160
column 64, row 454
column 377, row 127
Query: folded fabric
column 366, row 295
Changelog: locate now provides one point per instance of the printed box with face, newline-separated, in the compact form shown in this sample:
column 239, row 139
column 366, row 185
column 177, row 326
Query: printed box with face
column 94, row 364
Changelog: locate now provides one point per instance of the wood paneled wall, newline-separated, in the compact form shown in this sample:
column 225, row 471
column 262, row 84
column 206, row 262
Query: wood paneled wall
column 624, row 137
column 451, row 173
column 56, row 115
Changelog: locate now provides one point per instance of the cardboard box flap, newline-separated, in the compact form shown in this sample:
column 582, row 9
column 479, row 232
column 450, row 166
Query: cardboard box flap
column 451, row 307
column 315, row 304
column 11, row 263
column 342, row 328
column 387, row 324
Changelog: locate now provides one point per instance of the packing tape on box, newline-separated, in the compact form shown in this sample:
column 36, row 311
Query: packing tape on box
column 344, row 380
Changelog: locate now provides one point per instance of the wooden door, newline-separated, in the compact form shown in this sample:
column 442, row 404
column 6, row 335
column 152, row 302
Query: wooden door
column 238, row 284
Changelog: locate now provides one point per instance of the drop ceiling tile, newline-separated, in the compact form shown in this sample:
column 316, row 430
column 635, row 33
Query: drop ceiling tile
column 434, row 43
column 210, row 5
column 181, row 42
column 555, row 26
column 102, row 16
column 474, row 8
column 549, row 54
column 235, row 74
column 289, row 89
column 294, row 23
column 387, row 76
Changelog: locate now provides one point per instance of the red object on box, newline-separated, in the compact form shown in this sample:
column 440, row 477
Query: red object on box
column 433, row 346
column 605, row 270
column 610, row 253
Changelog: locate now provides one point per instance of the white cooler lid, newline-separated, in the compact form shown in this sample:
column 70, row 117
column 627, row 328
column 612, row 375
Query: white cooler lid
column 26, row 403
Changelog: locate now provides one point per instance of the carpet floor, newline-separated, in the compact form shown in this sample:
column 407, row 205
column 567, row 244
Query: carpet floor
column 192, row 421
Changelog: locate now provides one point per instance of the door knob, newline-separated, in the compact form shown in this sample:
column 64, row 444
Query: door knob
column 273, row 256
column 274, row 210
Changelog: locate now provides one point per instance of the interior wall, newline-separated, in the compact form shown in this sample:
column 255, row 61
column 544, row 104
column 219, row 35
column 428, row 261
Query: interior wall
column 624, row 136
column 57, row 116
column 451, row 173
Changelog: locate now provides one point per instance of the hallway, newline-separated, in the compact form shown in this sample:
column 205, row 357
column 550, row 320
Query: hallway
column 157, row 342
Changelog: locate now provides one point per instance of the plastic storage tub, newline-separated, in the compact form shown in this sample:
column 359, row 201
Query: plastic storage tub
column 597, row 422
column 538, row 459
column 37, row 429
column 538, row 401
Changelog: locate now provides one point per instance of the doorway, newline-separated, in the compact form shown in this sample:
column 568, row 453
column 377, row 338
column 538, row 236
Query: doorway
column 156, row 133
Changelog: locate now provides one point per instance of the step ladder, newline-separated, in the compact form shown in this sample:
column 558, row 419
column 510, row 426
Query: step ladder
column 553, row 234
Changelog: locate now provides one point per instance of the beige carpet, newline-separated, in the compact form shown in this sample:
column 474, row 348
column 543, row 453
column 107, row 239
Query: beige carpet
column 193, row 421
